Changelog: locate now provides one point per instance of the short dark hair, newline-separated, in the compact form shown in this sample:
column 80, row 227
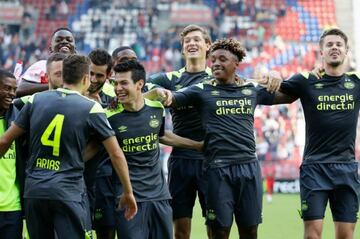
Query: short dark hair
column 5, row 74
column 117, row 50
column 333, row 31
column 57, row 56
column 101, row 57
column 60, row 29
column 74, row 68
column 137, row 70
column 231, row 45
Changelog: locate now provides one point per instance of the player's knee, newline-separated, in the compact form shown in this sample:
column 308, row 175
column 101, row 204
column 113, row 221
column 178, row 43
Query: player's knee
column 182, row 228
column 248, row 232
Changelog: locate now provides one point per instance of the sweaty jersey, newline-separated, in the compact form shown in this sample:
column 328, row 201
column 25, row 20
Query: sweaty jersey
column 227, row 113
column 59, row 123
column 9, row 187
column 138, row 135
column 331, row 109
column 186, row 120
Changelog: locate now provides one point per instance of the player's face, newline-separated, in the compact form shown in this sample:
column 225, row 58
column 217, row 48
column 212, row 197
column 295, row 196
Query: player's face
column 98, row 76
column 195, row 46
column 125, row 55
column 333, row 50
column 54, row 74
column 125, row 89
column 63, row 41
column 7, row 92
column 223, row 65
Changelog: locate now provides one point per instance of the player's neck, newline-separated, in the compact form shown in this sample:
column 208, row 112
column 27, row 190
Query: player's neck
column 74, row 87
column 135, row 105
column 334, row 71
column 195, row 65
column 2, row 112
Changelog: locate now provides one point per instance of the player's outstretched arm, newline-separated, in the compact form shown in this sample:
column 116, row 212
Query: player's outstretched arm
column 174, row 140
column 281, row 98
column 10, row 135
column 271, row 81
column 160, row 94
column 127, row 200
column 29, row 88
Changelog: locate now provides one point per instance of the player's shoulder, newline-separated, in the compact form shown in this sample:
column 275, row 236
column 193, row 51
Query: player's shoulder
column 171, row 75
column 353, row 74
column 111, row 111
column 108, row 89
column 154, row 103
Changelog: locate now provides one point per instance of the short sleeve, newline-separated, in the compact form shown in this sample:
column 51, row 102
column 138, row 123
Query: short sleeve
column 188, row 95
column 99, row 124
column 294, row 85
column 264, row 97
column 23, row 119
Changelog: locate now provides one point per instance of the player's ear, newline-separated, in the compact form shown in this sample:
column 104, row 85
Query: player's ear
column 141, row 83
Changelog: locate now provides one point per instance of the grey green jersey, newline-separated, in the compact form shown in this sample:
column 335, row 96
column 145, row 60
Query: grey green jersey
column 186, row 120
column 331, row 109
column 227, row 114
column 138, row 135
column 59, row 124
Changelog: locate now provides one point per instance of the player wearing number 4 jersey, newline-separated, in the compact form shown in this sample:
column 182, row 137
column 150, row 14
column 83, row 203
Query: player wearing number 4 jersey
column 59, row 124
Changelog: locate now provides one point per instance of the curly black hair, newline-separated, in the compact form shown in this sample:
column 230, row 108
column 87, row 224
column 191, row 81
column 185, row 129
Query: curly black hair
column 231, row 45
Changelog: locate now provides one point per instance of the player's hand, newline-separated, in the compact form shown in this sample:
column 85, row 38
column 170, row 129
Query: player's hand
column 164, row 96
column 317, row 72
column 271, row 81
column 127, row 202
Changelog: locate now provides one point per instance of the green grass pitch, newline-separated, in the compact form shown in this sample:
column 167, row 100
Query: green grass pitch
column 281, row 220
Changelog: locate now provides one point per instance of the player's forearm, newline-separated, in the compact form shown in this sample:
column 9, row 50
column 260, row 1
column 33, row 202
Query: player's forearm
column 119, row 163
column 29, row 88
column 4, row 145
column 174, row 140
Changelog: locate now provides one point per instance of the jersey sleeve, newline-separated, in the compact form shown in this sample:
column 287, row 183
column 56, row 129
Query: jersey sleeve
column 99, row 124
column 23, row 118
column 187, row 96
column 19, row 103
column 159, row 80
column 264, row 97
column 294, row 85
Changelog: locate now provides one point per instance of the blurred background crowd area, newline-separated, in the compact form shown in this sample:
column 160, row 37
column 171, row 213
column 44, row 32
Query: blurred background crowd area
column 280, row 35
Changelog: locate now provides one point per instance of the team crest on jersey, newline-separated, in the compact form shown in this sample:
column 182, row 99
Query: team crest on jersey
column 178, row 87
column 122, row 128
column 349, row 84
column 246, row 91
column 154, row 123
column 319, row 85
column 215, row 93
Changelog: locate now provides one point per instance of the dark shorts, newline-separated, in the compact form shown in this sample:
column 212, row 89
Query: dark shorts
column 11, row 225
column 46, row 217
column 185, row 182
column 105, row 200
column 153, row 220
column 337, row 183
column 234, row 190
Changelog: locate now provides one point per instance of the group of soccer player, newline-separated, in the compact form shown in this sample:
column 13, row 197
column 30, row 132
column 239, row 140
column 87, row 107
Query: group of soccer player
column 90, row 144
